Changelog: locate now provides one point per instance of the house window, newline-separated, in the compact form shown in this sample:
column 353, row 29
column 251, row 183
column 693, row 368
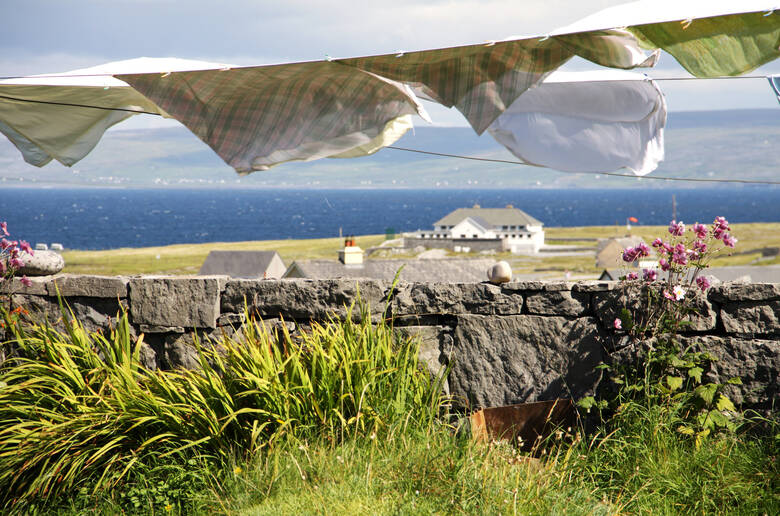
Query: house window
column 474, row 236
column 463, row 236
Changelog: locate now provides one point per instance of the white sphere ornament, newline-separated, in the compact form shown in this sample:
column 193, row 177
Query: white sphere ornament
column 501, row 272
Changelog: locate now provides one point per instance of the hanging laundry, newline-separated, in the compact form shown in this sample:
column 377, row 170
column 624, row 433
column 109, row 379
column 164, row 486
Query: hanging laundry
column 587, row 122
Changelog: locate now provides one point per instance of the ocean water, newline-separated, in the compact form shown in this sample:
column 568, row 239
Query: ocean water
column 112, row 218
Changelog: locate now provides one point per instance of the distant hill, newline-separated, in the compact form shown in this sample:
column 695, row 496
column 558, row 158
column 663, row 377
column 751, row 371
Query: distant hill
column 701, row 144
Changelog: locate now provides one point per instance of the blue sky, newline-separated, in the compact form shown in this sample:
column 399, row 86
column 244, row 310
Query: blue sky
column 43, row 36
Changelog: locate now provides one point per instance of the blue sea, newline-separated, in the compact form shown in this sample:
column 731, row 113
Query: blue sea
column 113, row 218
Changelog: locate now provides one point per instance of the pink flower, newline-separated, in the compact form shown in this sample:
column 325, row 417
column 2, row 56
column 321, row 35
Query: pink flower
column 680, row 254
column 25, row 281
column 26, row 247
column 700, row 230
column 618, row 324
column 703, row 283
column 4, row 228
column 649, row 274
column 722, row 223
column 16, row 263
column 658, row 242
column 676, row 228
column 5, row 244
column 668, row 295
column 665, row 266
column 729, row 241
column 700, row 246
column 642, row 249
column 630, row 254
column 632, row 276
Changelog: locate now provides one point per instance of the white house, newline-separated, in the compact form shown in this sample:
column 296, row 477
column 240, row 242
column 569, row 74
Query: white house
column 483, row 228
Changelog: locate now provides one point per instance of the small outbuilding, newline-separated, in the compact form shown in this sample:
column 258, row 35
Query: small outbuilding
column 244, row 264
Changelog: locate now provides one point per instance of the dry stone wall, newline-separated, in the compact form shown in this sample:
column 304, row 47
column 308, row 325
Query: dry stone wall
column 519, row 342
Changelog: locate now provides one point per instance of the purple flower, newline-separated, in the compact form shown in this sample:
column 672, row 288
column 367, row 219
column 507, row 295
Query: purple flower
column 4, row 228
column 658, row 242
column 632, row 276
column 649, row 274
column 5, row 244
column 680, row 254
column 16, row 263
column 630, row 254
column 668, row 295
column 703, row 283
column 676, row 228
column 729, row 240
column 700, row 246
column 25, row 281
column 700, row 230
column 665, row 266
column 721, row 222
column 642, row 249
column 26, row 247
column 618, row 324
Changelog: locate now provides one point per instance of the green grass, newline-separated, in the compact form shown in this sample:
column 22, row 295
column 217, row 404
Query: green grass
column 187, row 258
column 341, row 420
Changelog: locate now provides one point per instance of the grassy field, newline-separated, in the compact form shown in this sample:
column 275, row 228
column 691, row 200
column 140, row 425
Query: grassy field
column 344, row 423
column 187, row 258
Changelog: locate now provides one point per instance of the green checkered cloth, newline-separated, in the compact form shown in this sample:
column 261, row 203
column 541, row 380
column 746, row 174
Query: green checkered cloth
column 257, row 117
column 721, row 45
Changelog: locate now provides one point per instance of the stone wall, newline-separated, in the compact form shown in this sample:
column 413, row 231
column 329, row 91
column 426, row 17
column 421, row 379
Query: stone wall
column 519, row 342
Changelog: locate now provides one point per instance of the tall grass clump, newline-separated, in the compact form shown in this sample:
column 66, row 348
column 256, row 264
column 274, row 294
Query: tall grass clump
column 78, row 413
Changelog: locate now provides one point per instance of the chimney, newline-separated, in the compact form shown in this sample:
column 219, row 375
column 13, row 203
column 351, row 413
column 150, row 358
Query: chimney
column 351, row 254
column 509, row 206
column 476, row 206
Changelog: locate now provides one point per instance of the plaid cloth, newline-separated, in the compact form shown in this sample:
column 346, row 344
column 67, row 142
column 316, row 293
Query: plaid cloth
column 717, row 46
column 257, row 117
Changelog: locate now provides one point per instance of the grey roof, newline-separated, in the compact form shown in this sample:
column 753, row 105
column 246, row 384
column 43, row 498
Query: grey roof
column 623, row 242
column 240, row 264
column 427, row 271
column 493, row 216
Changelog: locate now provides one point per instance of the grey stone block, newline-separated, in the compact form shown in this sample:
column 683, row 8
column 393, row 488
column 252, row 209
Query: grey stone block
column 15, row 286
column 752, row 317
column 729, row 292
column 190, row 302
column 435, row 346
column 68, row 285
column 95, row 314
column 594, row 286
column 561, row 302
column 522, row 358
column 756, row 362
column 455, row 298
column 304, row 299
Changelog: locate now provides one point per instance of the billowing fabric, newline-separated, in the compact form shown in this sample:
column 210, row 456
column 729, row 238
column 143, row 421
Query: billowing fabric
column 257, row 117
column 587, row 122
column 43, row 117
column 709, row 38
column 480, row 81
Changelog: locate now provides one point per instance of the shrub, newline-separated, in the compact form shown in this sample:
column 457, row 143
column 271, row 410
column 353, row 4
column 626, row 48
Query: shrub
column 77, row 410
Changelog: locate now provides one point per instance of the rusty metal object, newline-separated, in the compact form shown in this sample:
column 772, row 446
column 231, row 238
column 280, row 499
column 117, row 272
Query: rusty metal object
column 525, row 424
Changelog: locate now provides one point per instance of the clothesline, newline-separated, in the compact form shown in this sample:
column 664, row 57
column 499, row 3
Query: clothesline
column 511, row 162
